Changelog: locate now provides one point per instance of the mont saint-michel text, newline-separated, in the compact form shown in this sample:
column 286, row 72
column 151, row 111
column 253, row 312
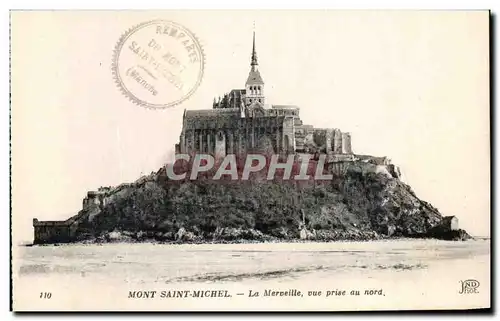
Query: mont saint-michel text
column 165, row 294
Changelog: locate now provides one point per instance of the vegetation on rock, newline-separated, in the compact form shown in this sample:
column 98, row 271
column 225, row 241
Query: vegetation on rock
column 355, row 206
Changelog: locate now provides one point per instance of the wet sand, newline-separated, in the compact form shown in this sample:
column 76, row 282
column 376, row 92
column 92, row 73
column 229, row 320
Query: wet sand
column 396, row 266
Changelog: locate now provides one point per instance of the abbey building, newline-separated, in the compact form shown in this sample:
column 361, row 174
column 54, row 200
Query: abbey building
column 242, row 122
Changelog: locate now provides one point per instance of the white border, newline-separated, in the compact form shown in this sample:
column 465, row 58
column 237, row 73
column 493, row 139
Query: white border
column 184, row 4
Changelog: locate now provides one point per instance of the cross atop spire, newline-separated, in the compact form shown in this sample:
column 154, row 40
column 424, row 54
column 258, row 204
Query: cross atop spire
column 254, row 53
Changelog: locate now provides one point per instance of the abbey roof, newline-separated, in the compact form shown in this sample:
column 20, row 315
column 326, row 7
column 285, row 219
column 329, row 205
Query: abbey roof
column 254, row 78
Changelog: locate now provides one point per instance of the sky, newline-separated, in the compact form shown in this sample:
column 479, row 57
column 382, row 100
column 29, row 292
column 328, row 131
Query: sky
column 410, row 85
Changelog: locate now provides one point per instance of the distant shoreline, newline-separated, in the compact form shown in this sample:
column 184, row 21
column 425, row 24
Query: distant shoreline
column 279, row 241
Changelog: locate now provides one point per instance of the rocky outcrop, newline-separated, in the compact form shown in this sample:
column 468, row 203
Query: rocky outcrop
column 367, row 201
column 448, row 229
column 456, row 235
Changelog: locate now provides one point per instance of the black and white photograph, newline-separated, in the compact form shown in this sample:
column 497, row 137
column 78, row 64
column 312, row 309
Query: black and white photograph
column 250, row 160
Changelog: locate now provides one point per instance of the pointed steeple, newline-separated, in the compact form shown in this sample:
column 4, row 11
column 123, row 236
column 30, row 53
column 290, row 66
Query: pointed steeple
column 254, row 87
column 254, row 54
column 254, row 77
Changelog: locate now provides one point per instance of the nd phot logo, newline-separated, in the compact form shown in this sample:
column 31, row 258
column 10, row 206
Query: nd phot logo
column 469, row 286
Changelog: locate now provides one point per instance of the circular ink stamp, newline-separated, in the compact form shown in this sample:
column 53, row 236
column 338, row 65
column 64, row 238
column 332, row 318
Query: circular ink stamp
column 158, row 64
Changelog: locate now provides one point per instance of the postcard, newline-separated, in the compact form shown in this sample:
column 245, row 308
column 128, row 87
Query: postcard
column 231, row 160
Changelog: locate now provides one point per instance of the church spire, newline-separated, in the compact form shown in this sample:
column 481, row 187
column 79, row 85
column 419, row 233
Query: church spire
column 254, row 54
column 254, row 87
column 254, row 77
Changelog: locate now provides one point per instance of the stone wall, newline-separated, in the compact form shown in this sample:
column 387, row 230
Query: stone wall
column 450, row 223
column 288, row 145
column 53, row 231
column 346, row 143
column 337, row 141
column 279, row 124
column 323, row 140
column 339, row 168
column 367, row 168
column 303, row 137
column 320, row 140
column 242, row 136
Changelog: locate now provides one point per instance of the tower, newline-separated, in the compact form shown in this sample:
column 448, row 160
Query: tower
column 254, row 85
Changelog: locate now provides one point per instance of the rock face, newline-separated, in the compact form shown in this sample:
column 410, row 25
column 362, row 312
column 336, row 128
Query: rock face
column 364, row 203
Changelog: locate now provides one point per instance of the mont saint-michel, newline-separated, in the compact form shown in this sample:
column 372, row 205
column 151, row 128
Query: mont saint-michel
column 363, row 199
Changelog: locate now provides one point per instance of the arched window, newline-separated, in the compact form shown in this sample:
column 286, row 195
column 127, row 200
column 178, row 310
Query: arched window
column 286, row 144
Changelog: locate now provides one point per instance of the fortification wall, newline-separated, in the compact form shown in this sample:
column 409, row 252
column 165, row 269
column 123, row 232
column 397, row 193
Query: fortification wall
column 53, row 231
column 346, row 143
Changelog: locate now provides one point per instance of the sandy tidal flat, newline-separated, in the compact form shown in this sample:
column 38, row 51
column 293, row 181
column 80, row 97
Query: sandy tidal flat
column 397, row 274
